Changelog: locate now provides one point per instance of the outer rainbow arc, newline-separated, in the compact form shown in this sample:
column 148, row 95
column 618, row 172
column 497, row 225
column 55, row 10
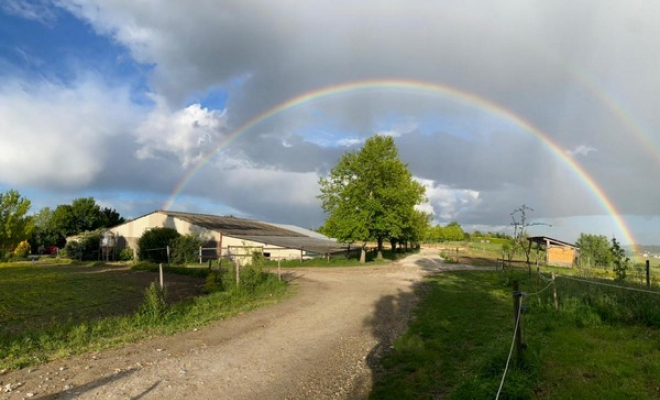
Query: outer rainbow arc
column 456, row 94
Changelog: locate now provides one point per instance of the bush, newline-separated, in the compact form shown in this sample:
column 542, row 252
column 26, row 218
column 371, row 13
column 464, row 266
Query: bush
column 86, row 248
column 126, row 254
column 22, row 250
column 153, row 243
column 185, row 249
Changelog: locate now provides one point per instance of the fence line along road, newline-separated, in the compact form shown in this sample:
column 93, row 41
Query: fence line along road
column 607, row 284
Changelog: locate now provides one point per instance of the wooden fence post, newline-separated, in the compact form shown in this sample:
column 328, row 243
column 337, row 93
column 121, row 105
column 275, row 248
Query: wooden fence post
column 160, row 274
column 554, row 291
column 516, row 317
column 279, row 273
column 200, row 254
column 237, row 266
column 648, row 273
column 167, row 249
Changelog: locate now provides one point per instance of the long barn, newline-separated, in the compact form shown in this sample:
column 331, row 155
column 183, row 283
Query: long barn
column 229, row 237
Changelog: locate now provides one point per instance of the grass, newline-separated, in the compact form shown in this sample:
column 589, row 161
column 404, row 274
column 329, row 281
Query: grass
column 602, row 343
column 34, row 295
column 76, row 296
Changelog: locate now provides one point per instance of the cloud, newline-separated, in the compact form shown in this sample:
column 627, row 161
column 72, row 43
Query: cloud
column 581, row 150
column 36, row 10
column 186, row 134
column 518, row 86
column 59, row 135
column 400, row 129
column 446, row 203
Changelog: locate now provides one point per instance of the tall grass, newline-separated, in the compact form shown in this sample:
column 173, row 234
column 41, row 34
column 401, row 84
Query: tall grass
column 602, row 343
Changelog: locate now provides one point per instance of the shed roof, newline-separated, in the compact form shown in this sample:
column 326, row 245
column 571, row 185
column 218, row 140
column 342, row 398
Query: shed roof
column 545, row 239
column 233, row 226
column 302, row 243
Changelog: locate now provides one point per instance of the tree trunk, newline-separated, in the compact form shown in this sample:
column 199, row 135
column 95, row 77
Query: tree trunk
column 393, row 243
column 379, row 256
column 363, row 254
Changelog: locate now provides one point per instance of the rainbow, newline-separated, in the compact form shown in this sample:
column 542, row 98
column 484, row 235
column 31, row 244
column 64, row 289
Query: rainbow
column 455, row 94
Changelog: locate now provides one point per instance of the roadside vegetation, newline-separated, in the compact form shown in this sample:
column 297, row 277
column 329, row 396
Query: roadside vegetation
column 54, row 311
column 601, row 343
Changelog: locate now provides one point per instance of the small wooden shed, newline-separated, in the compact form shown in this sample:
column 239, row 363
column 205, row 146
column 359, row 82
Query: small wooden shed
column 557, row 252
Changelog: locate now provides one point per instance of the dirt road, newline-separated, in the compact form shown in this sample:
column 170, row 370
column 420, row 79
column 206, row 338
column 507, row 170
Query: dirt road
column 322, row 343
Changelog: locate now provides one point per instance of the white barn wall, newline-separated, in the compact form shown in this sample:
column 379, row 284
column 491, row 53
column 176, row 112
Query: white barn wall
column 130, row 232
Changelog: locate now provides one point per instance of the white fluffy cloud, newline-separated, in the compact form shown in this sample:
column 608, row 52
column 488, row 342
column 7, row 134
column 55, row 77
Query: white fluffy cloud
column 446, row 203
column 60, row 135
column 186, row 134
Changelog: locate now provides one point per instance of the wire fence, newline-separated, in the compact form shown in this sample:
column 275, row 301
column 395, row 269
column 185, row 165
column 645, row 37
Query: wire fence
column 513, row 345
column 552, row 283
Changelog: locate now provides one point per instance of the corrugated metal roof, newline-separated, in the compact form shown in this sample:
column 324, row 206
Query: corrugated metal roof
column 302, row 231
column 232, row 226
column 302, row 243
column 542, row 240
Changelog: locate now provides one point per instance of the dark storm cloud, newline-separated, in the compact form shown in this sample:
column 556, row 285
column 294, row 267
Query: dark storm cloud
column 584, row 73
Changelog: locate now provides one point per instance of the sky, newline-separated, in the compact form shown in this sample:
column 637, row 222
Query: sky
column 239, row 107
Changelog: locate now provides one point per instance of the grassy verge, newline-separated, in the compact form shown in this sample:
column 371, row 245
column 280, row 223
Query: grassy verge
column 156, row 316
column 601, row 343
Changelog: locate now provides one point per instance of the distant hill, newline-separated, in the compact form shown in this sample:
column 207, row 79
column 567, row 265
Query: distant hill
column 650, row 249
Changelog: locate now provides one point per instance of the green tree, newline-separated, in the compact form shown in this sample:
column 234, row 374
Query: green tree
column 15, row 224
column 453, row 231
column 594, row 251
column 369, row 194
column 110, row 217
column 416, row 231
column 619, row 259
column 153, row 243
column 82, row 215
column 45, row 233
column 185, row 249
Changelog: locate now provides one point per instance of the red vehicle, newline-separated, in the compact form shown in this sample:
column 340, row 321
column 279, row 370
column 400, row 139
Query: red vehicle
column 51, row 250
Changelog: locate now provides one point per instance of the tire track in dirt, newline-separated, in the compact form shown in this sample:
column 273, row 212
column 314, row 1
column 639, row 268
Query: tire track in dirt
column 323, row 343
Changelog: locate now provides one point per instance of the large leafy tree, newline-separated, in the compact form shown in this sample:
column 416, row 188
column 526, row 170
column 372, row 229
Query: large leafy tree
column 594, row 251
column 45, row 233
column 15, row 224
column 370, row 194
column 83, row 215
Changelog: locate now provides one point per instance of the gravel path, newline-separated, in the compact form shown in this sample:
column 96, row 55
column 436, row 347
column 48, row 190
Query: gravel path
column 323, row 343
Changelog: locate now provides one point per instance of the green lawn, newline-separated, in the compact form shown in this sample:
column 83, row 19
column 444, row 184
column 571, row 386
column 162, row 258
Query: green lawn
column 601, row 344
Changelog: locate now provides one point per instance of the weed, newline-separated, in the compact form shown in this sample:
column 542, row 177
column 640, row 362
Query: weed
column 154, row 307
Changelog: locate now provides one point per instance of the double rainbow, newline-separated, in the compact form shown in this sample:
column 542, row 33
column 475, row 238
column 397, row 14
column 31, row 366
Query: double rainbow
column 455, row 94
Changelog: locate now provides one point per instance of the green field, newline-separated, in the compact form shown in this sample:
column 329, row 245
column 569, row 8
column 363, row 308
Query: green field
column 602, row 343
column 50, row 311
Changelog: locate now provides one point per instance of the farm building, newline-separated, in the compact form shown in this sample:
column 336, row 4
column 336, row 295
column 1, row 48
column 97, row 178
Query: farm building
column 557, row 252
column 229, row 237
